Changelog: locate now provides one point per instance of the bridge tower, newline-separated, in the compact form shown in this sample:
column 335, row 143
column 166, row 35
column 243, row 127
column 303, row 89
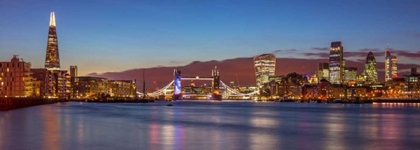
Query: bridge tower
column 216, row 95
column 177, row 85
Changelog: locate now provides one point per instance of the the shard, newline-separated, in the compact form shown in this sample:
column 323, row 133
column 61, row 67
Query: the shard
column 52, row 58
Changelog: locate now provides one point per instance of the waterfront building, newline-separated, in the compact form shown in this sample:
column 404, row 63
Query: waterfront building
column 273, row 85
column 40, row 78
column 412, row 82
column 395, row 88
column 390, row 66
column 265, row 66
column 313, row 79
column 350, row 75
column 291, row 86
column 59, row 84
column 336, row 63
column 16, row 78
column 371, row 71
column 394, row 69
column 122, row 88
column 73, row 71
column 52, row 59
column 86, row 87
column 323, row 71
column 73, row 74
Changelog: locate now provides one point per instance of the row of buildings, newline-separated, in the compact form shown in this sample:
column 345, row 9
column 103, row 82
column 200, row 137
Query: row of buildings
column 19, row 79
column 334, row 80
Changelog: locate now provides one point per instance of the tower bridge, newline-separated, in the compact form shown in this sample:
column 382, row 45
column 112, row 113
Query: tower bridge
column 219, row 90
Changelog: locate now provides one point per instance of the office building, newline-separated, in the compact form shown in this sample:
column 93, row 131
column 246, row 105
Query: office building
column 90, row 87
column 371, row 71
column 40, row 78
column 390, row 66
column 323, row 71
column 350, row 75
column 265, row 66
column 122, row 88
column 336, row 63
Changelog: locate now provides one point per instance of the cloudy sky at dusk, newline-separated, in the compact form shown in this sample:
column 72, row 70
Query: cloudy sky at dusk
column 117, row 35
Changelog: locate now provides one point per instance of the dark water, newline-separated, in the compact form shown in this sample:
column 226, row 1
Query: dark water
column 211, row 125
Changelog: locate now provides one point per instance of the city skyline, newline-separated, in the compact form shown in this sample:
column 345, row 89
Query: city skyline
column 179, row 48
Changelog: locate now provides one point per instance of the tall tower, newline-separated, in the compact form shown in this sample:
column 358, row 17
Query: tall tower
column 394, row 70
column 52, row 59
column 215, row 85
column 177, row 85
column 336, row 63
column 390, row 65
column 265, row 66
column 388, row 75
column 371, row 71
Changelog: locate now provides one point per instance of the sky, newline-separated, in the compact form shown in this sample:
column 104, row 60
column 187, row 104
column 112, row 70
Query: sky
column 115, row 35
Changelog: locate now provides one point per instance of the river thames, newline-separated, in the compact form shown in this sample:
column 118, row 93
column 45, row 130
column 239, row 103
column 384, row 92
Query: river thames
column 211, row 125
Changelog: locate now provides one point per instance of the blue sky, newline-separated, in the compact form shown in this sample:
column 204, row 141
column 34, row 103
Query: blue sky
column 116, row 35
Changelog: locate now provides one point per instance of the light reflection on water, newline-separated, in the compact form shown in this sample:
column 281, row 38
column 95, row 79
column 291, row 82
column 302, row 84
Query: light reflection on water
column 209, row 125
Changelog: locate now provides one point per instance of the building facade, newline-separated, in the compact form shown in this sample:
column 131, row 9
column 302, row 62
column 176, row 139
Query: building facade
column 336, row 63
column 73, row 75
column 16, row 78
column 122, row 88
column 40, row 78
column 52, row 58
column 350, row 75
column 265, row 66
column 394, row 69
column 90, row 87
column 390, row 66
column 371, row 71
column 412, row 83
column 323, row 71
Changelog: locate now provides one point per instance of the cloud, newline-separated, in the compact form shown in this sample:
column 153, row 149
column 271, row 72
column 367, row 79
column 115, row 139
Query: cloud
column 322, row 55
column 405, row 53
column 284, row 51
column 359, row 53
column 175, row 62
column 321, row 48
column 369, row 50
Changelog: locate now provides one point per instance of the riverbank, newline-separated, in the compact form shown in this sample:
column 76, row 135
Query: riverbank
column 16, row 103
column 116, row 101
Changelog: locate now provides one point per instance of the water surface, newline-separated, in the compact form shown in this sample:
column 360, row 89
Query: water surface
column 211, row 125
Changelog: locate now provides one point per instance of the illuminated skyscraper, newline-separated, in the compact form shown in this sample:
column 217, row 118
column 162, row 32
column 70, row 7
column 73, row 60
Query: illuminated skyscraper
column 52, row 59
column 394, row 70
column 390, row 66
column 350, row 75
column 371, row 71
column 323, row 71
column 336, row 63
column 265, row 66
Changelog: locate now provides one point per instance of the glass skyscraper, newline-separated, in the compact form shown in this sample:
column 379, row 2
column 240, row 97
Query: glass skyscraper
column 336, row 63
column 265, row 66
column 371, row 71
column 52, row 59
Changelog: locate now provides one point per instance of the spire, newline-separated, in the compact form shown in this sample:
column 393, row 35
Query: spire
column 52, row 19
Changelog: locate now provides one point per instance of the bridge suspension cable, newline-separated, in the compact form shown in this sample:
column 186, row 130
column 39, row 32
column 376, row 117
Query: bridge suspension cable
column 157, row 93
